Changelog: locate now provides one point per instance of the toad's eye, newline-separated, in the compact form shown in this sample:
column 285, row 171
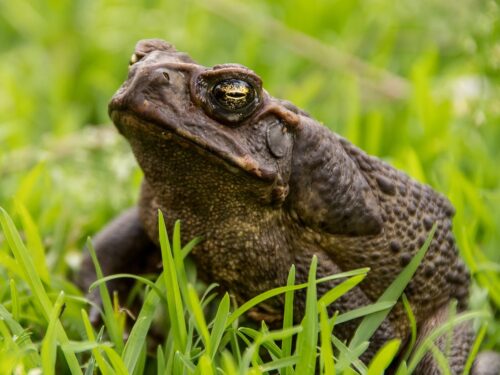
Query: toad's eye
column 228, row 93
column 233, row 94
column 133, row 59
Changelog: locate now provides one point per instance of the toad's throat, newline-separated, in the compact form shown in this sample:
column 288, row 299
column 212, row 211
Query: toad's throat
column 124, row 119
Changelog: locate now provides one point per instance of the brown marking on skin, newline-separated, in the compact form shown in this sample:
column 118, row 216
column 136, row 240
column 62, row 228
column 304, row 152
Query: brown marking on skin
column 290, row 118
column 248, row 164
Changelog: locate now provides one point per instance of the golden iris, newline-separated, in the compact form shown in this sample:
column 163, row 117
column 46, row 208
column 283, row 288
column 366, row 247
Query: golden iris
column 233, row 94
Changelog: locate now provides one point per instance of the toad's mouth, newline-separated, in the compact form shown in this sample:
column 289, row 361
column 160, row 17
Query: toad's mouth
column 236, row 164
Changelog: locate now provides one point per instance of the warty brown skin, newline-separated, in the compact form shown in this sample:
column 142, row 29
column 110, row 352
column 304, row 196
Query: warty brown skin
column 267, row 186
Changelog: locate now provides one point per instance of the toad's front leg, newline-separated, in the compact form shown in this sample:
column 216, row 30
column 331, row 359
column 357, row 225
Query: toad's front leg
column 121, row 247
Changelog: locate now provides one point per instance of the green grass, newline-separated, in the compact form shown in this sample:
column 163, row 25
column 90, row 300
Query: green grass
column 414, row 82
column 194, row 344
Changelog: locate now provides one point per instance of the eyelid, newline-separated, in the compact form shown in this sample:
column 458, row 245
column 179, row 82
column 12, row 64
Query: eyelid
column 228, row 109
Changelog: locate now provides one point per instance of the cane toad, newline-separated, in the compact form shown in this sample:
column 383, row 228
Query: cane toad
column 267, row 186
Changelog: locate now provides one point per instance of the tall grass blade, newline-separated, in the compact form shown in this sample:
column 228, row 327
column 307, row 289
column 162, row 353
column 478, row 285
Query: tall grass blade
column 228, row 365
column 326, row 350
column 308, row 338
column 174, row 301
column 333, row 294
column 413, row 327
column 283, row 289
column 14, row 297
column 384, row 357
column 160, row 361
column 279, row 364
column 31, row 356
column 363, row 311
column 437, row 332
column 440, row 359
column 141, row 279
column 205, row 366
column 286, row 343
column 199, row 318
column 41, row 299
column 49, row 343
column 369, row 324
column 179, row 260
column 115, row 361
column 109, row 312
column 475, row 348
column 348, row 357
column 34, row 242
column 219, row 324
column 138, row 335
column 104, row 366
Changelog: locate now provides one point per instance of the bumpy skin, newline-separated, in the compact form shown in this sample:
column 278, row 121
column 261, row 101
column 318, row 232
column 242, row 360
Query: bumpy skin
column 266, row 186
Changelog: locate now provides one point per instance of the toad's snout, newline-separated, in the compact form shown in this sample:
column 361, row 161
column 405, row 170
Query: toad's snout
column 146, row 46
column 157, row 50
column 157, row 72
column 152, row 83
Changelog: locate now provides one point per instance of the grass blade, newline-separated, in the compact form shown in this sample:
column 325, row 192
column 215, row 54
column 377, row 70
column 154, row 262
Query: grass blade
column 174, row 301
column 369, row 324
column 280, row 363
column 104, row 366
column 437, row 332
column 286, row 343
column 179, row 260
column 384, row 357
column 413, row 327
column 199, row 318
column 205, row 366
column 363, row 311
column 348, row 357
column 218, row 325
column 32, row 358
column 138, row 334
column 34, row 242
column 109, row 313
column 41, row 299
column 143, row 280
column 15, row 300
column 440, row 359
column 326, row 351
column 475, row 348
column 49, row 343
column 283, row 289
column 228, row 364
column 116, row 361
column 160, row 361
column 308, row 338
column 341, row 289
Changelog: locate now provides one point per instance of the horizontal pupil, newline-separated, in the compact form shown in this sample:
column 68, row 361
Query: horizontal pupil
column 233, row 94
column 236, row 95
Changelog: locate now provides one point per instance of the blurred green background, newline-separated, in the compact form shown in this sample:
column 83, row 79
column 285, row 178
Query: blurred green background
column 415, row 82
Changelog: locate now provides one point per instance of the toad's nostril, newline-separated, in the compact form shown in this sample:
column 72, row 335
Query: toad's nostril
column 161, row 76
